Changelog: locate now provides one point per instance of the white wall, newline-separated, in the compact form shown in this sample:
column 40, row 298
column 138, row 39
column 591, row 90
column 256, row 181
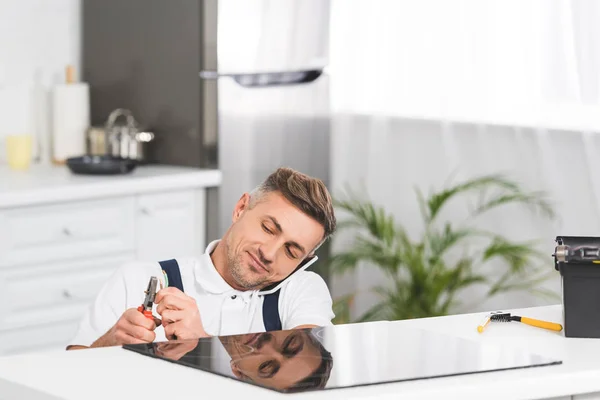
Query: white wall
column 38, row 39
column 424, row 89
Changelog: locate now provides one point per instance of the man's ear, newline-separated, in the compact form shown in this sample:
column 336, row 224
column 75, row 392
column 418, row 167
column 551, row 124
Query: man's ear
column 241, row 206
column 236, row 371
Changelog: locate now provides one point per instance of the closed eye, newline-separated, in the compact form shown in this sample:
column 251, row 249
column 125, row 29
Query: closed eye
column 293, row 345
column 266, row 229
column 268, row 369
column 290, row 253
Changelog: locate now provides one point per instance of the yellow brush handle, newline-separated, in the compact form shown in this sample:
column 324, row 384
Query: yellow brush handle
column 542, row 324
column 483, row 324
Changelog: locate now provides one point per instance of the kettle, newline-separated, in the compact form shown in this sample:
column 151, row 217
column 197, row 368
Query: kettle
column 126, row 140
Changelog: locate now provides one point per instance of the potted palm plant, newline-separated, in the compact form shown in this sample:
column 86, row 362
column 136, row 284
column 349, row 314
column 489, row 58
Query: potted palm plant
column 423, row 280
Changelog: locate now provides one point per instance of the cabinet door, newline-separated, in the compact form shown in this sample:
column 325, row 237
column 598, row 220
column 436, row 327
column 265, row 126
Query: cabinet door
column 63, row 231
column 42, row 304
column 170, row 225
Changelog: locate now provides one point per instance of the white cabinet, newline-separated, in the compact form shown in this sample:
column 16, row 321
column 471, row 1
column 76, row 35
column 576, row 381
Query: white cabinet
column 63, row 237
column 169, row 225
column 43, row 303
column 66, row 230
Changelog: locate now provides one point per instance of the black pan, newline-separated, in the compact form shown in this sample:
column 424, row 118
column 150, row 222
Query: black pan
column 100, row 165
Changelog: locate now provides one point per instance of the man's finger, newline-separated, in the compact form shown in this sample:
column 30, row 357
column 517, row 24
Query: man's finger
column 170, row 316
column 166, row 346
column 137, row 318
column 168, row 290
column 173, row 303
column 171, row 330
column 140, row 333
column 180, row 349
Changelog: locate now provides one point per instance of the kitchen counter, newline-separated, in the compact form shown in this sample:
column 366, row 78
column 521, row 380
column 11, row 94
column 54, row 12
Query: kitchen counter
column 41, row 185
column 63, row 235
column 117, row 373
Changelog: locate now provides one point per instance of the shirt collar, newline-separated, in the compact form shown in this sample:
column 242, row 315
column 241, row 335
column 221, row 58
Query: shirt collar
column 207, row 275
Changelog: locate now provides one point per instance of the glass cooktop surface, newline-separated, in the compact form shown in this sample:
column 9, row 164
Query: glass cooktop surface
column 340, row 356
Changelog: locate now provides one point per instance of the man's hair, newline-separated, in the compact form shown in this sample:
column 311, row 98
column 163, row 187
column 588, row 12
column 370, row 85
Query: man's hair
column 318, row 379
column 308, row 194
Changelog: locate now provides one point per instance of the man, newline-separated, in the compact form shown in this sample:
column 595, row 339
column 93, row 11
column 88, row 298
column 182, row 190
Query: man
column 252, row 280
column 289, row 361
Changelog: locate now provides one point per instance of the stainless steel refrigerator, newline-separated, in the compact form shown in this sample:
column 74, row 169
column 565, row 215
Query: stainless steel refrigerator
column 273, row 92
column 239, row 85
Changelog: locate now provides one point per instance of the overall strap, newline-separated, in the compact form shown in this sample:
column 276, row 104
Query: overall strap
column 171, row 269
column 271, row 312
column 271, row 317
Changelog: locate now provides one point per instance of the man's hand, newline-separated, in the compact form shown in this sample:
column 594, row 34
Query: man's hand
column 180, row 314
column 174, row 350
column 133, row 327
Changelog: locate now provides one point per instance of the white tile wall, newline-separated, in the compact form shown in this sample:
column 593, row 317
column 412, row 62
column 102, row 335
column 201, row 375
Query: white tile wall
column 38, row 38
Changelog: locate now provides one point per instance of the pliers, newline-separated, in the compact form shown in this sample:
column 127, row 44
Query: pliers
column 146, row 307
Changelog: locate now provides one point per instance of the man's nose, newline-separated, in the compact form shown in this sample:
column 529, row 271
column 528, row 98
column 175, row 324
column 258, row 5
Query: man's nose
column 268, row 251
column 269, row 350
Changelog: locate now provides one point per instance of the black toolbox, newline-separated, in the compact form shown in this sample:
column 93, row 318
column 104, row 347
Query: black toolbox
column 578, row 260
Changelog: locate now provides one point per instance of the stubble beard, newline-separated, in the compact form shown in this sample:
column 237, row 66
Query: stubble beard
column 236, row 269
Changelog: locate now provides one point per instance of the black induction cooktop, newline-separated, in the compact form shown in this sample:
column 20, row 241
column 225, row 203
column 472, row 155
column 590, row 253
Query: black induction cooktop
column 340, row 356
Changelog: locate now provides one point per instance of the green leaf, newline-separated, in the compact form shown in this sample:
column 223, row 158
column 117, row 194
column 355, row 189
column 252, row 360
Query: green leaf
column 533, row 200
column 365, row 249
column 364, row 214
column 422, row 205
column 517, row 255
column 440, row 242
column 438, row 200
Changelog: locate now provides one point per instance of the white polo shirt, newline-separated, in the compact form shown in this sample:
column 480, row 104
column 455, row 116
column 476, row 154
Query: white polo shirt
column 304, row 299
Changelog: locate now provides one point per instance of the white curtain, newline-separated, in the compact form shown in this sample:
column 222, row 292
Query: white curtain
column 511, row 61
column 421, row 89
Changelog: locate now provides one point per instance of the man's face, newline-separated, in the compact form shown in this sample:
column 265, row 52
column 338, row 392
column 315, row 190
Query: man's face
column 267, row 242
column 274, row 359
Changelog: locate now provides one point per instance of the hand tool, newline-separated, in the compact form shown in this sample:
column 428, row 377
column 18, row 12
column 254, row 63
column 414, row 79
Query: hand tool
column 146, row 307
column 500, row 316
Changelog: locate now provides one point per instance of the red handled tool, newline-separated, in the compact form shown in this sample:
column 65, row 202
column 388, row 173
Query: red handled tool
column 146, row 307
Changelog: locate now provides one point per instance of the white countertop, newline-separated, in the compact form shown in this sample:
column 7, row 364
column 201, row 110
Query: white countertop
column 117, row 373
column 41, row 184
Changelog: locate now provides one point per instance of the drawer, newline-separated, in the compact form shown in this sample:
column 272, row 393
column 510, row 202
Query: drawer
column 166, row 225
column 49, row 293
column 66, row 231
column 165, row 204
column 43, row 337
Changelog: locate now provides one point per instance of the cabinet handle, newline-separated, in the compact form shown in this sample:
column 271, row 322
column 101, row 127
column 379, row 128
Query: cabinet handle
column 67, row 294
column 145, row 211
column 67, row 232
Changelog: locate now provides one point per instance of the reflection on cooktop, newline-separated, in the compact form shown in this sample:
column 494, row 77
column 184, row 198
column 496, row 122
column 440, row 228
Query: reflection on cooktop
column 339, row 356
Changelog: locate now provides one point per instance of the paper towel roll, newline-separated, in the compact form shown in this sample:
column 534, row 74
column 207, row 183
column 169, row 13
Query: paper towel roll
column 70, row 120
